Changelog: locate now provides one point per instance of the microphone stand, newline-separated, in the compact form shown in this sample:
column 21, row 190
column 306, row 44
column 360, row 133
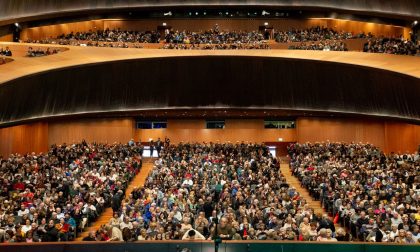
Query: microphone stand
column 216, row 237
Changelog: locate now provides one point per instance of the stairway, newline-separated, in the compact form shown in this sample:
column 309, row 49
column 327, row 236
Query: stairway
column 294, row 182
column 106, row 215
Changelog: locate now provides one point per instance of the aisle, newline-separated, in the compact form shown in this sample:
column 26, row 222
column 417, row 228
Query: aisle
column 106, row 215
column 294, row 182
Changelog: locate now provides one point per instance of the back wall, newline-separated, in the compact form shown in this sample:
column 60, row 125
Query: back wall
column 390, row 136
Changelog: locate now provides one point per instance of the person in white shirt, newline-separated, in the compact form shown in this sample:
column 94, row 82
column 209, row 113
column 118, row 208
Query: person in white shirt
column 126, row 224
column 23, row 210
column 59, row 213
column 415, row 233
column 27, row 226
column 192, row 234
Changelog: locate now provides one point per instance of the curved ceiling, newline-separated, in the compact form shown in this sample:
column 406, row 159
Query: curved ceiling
column 14, row 10
column 210, row 82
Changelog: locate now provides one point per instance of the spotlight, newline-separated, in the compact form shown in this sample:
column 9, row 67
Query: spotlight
column 266, row 23
column 169, row 13
column 227, row 13
column 415, row 23
column 205, row 13
column 17, row 24
column 163, row 24
column 196, row 13
column 265, row 13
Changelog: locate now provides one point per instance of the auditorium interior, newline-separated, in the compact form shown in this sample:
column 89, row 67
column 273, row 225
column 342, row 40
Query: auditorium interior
column 209, row 125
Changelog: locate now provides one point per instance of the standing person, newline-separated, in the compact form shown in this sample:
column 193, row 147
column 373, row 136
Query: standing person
column 152, row 148
column 158, row 146
column 167, row 142
column 116, row 201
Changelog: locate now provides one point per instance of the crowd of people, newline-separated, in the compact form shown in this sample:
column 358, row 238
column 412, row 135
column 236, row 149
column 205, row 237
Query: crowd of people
column 326, row 45
column 173, row 39
column 213, row 36
column 316, row 33
column 40, row 52
column 6, row 52
column 375, row 196
column 194, row 186
column 399, row 46
column 114, row 35
column 234, row 46
column 203, row 191
column 53, row 196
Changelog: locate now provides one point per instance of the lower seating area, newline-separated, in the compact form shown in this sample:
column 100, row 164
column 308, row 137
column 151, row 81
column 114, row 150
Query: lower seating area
column 373, row 195
column 209, row 191
column 53, row 196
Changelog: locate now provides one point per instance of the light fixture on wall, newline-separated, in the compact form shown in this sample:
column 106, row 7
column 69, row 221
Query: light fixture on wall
column 163, row 24
column 266, row 23
column 280, row 139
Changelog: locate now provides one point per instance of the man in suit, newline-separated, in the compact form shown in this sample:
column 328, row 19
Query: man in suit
column 158, row 146
column 152, row 148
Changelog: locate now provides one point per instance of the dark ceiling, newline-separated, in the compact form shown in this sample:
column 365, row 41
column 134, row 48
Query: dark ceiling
column 28, row 10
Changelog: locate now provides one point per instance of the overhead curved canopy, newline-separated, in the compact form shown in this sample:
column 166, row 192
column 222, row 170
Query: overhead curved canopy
column 246, row 82
column 26, row 10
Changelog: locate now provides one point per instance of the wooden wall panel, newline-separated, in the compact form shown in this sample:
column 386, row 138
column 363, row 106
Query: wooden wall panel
column 376, row 29
column 389, row 136
column 6, row 142
column 6, row 38
column 402, row 137
column 340, row 130
column 24, row 138
column 235, row 130
column 52, row 31
column 253, row 24
column 37, row 137
column 206, row 24
column 98, row 130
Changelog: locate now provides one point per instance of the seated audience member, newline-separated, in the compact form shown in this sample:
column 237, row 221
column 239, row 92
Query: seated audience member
column 91, row 236
column 114, row 233
column 193, row 235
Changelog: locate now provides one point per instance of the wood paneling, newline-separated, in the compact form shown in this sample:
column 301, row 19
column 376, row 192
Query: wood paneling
column 37, row 137
column 340, row 130
column 24, row 139
column 402, row 137
column 49, row 31
column 7, row 38
column 92, row 130
column 52, row 31
column 389, row 136
column 376, row 29
column 235, row 130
